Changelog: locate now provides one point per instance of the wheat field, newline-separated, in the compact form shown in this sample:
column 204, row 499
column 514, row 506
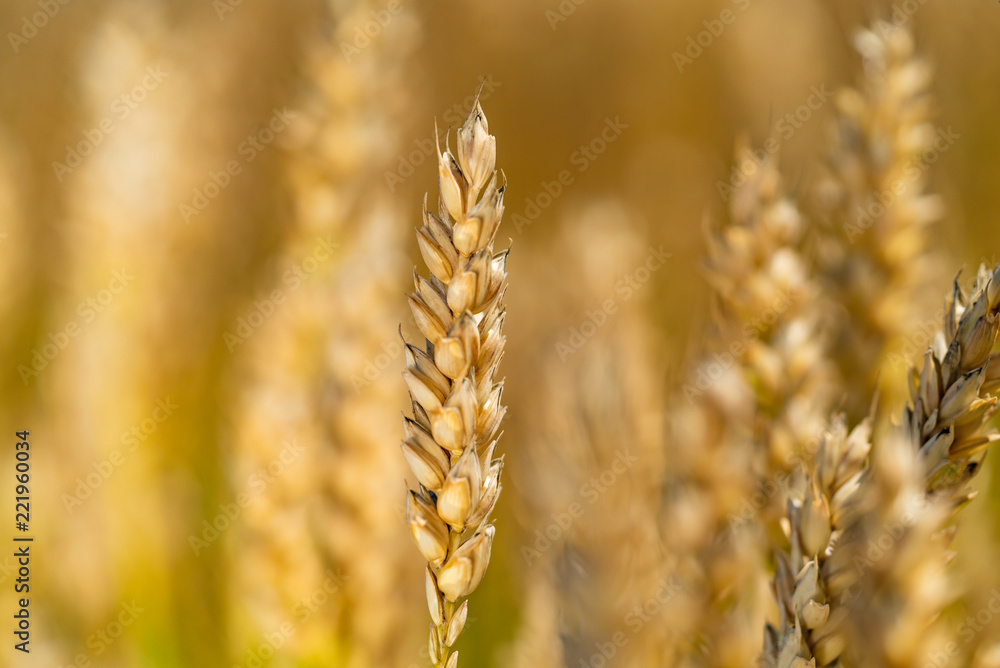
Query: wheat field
column 386, row 334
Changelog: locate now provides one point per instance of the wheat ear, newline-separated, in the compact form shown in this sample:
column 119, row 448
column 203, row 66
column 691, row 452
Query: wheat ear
column 735, row 438
column 451, row 439
column 879, row 260
column 810, row 628
column 771, row 303
column 951, row 396
column 944, row 430
column 848, row 503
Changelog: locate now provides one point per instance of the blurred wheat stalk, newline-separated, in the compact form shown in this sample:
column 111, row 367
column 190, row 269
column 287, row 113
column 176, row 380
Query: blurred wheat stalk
column 876, row 253
column 751, row 408
column 595, row 553
column 324, row 550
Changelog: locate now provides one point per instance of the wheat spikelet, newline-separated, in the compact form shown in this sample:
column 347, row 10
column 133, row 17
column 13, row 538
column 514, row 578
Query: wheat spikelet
column 450, row 441
column 835, row 596
column 878, row 258
column 817, row 509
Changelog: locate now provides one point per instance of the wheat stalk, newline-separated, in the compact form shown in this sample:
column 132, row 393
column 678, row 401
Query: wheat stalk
column 833, row 595
column 757, row 416
column 952, row 400
column 770, row 303
column 323, row 529
column 451, row 439
column 878, row 259
column 599, row 418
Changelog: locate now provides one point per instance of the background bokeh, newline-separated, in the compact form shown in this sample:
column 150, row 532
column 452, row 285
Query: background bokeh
column 207, row 233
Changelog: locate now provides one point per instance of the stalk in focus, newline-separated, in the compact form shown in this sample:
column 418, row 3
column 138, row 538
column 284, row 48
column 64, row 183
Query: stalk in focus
column 450, row 441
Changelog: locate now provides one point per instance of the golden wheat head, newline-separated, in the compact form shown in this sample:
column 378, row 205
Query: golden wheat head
column 450, row 441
